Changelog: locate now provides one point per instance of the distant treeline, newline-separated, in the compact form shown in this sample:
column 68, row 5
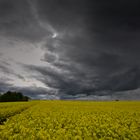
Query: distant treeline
column 12, row 97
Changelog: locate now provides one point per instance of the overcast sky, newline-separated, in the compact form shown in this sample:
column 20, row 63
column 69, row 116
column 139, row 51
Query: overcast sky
column 70, row 49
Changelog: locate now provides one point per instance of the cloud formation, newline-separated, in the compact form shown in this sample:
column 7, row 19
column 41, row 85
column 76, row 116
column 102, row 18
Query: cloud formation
column 71, row 49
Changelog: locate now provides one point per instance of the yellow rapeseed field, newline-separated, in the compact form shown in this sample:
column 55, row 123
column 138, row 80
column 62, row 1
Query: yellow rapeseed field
column 70, row 120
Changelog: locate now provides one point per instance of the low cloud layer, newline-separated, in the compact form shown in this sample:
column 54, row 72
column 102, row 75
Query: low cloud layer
column 67, row 49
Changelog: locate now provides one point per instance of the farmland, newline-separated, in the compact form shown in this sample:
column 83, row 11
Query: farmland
column 70, row 120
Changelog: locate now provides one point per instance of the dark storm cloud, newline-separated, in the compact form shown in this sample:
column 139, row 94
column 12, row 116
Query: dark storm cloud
column 101, row 38
column 62, row 13
column 36, row 92
column 55, row 79
column 17, row 21
column 4, row 67
column 94, row 49
column 32, row 92
column 119, row 30
column 127, row 80
column 72, row 84
column 4, row 85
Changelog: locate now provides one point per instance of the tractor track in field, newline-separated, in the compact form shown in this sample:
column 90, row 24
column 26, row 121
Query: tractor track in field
column 3, row 119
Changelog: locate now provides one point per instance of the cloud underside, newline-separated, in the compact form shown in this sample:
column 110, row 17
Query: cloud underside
column 76, row 49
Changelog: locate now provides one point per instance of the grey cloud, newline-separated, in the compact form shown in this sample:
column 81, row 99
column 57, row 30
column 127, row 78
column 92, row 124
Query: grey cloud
column 95, row 53
column 100, row 53
column 49, row 57
column 32, row 92
column 36, row 92
column 17, row 21
column 20, row 76
column 62, row 13
column 4, row 85
column 53, row 77
column 4, row 67
column 126, row 81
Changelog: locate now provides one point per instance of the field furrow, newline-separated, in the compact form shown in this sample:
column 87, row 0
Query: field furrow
column 10, row 109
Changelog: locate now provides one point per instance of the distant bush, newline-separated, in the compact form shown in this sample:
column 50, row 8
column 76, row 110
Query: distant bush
column 12, row 97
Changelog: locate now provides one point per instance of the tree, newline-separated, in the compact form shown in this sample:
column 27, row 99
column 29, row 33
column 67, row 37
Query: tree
column 12, row 97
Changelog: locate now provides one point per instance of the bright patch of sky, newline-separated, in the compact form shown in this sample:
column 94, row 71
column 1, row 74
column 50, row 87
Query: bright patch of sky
column 16, row 53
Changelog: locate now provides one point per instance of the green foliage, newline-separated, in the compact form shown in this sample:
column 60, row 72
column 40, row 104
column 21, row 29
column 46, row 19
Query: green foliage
column 10, row 109
column 74, row 120
column 12, row 97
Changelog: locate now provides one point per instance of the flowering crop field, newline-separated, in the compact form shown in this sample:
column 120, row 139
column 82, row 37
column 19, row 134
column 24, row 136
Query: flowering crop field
column 71, row 120
column 10, row 109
